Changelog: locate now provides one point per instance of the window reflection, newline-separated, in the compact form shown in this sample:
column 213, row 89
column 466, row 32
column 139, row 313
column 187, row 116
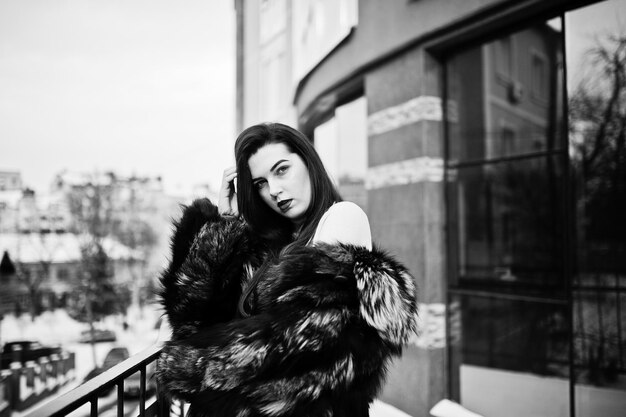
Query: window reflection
column 596, row 52
column 514, row 335
column 514, row 350
column 536, row 205
column 506, row 181
column 508, row 294
column 508, row 93
column 509, row 227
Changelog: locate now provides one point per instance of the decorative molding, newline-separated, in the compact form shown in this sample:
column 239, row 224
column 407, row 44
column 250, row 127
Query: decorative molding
column 409, row 171
column 414, row 110
column 431, row 326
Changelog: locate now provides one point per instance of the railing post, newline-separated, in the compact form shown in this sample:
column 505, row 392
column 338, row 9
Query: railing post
column 54, row 371
column 163, row 402
column 16, row 377
column 71, row 366
column 61, row 369
column 27, row 386
column 5, row 393
column 44, row 386
column 16, row 353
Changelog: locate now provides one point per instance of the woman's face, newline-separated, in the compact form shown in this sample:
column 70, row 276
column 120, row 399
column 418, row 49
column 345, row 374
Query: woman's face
column 282, row 180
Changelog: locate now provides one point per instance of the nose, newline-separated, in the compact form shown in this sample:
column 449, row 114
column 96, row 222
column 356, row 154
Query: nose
column 274, row 189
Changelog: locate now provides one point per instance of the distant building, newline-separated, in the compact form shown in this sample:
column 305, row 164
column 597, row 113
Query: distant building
column 130, row 196
column 134, row 200
column 9, row 209
column 21, row 210
column 10, row 180
column 53, row 260
column 39, row 231
column 10, row 196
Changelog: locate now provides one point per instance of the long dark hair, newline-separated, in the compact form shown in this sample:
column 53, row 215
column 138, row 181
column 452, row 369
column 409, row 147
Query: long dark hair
column 270, row 225
column 276, row 230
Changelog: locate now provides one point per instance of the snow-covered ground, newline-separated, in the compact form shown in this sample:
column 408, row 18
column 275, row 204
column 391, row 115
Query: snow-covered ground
column 57, row 328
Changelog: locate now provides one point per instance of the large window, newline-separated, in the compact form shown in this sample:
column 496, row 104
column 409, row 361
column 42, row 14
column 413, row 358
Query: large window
column 505, row 171
column 342, row 145
column 505, row 166
column 536, row 232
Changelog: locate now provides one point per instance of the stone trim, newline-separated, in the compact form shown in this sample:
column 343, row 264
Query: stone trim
column 432, row 326
column 409, row 171
column 414, row 110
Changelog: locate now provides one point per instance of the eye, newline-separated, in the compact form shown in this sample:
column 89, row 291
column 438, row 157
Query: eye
column 282, row 169
column 259, row 185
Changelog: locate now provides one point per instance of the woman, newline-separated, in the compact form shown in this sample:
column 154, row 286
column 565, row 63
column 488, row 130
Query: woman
column 278, row 303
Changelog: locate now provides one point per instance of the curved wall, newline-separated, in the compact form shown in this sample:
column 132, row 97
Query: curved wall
column 383, row 26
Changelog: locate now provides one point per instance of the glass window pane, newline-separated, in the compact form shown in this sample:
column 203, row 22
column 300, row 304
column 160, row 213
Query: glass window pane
column 516, row 351
column 342, row 145
column 509, row 318
column 596, row 61
column 508, row 230
column 508, row 93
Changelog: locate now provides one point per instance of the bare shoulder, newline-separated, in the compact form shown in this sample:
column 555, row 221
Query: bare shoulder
column 347, row 209
column 344, row 222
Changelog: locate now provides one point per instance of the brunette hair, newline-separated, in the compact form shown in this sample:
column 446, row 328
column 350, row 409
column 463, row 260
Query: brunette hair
column 275, row 229
column 271, row 226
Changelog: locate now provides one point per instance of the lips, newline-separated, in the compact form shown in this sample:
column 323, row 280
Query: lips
column 284, row 205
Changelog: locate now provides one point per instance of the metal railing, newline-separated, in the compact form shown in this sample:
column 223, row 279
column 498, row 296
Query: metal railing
column 89, row 392
column 30, row 382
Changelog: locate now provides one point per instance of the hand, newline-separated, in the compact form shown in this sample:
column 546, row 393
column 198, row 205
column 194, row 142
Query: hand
column 228, row 196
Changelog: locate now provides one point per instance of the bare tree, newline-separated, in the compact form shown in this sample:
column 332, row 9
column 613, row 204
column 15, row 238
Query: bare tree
column 33, row 275
column 91, row 206
column 136, row 233
column 97, row 295
column 597, row 117
column 597, row 114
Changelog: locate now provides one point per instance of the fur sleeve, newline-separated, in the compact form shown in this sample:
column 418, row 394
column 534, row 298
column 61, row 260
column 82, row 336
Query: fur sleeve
column 330, row 317
column 202, row 282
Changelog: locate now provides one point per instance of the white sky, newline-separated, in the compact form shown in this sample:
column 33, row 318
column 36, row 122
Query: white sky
column 587, row 25
column 134, row 86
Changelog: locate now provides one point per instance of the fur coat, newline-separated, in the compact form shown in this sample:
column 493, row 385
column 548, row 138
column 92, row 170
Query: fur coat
column 325, row 322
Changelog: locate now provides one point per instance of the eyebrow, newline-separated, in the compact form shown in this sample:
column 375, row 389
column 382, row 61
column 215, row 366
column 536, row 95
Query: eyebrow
column 271, row 169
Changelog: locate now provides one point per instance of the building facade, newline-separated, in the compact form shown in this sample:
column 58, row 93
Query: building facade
column 486, row 142
column 10, row 180
column 41, row 236
column 10, row 195
column 47, row 269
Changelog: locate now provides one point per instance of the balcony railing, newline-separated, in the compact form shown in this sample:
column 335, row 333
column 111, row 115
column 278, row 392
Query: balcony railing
column 88, row 393
column 30, row 382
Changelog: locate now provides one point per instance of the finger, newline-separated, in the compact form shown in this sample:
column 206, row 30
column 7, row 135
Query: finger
column 229, row 171
column 227, row 179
